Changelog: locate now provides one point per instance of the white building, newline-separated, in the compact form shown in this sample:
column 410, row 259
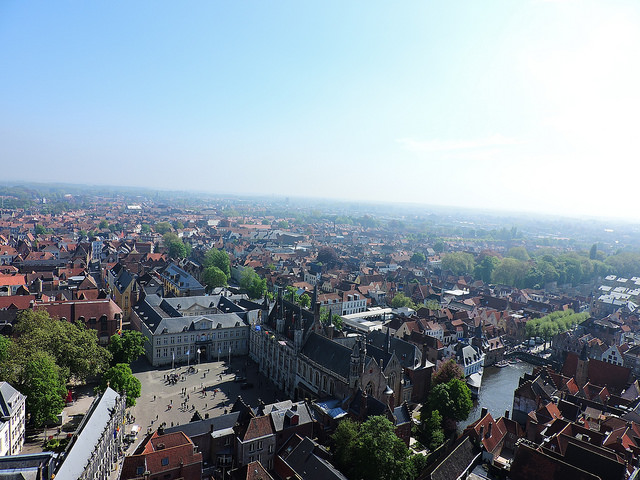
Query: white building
column 353, row 302
column 12, row 423
column 194, row 329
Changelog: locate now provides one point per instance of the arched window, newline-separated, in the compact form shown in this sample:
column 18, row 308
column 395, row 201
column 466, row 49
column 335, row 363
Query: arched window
column 324, row 383
column 369, row 389
column 331, row 387
column 317, row 379
column 392, row 380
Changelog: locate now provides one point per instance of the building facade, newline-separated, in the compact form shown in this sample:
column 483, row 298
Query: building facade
column 12, row 422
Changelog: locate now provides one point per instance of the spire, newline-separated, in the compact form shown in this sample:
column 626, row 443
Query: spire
column 387, row 341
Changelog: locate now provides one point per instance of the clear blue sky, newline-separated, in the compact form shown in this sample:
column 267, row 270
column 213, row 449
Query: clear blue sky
column 530, row 105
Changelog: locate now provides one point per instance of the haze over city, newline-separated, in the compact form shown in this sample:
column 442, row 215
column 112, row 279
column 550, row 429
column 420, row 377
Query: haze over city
column 527, row 106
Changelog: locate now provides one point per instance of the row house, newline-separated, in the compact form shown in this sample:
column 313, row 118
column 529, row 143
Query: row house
column 12, row 420
column 94, row 450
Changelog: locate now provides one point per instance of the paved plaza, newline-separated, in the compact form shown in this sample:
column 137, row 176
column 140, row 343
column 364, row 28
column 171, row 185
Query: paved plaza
column 208, row 388
column 169, row 403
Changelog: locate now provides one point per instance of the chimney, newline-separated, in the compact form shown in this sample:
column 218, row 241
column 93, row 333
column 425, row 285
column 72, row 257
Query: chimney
column 423, row 361
column 506, row 414
column 483, row 412
column 489, row 429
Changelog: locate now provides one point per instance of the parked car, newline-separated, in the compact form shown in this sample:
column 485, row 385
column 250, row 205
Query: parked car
column 239, row 379
column 246, row 385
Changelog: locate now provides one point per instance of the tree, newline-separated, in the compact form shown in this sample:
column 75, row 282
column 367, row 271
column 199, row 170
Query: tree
column 593, row 253
column 432, row 304
column 283, row 224
column 418, row 258
column 103, row 224
column 327, row 255
column 511, row 272
column 163, row 227
column 447, row 372
column 484, row 269
column 40, row 230
column 452, row 399
column 304, row 301
column 74, row 348
column 218, row 258
column 401, row 300
column 121, row 379
column 519, row 253
column 126, row 347
column 344, row 440
column 5, row 344
column 44, row 387
column 213, row 277
column 459, row 263
column 372, row 451
column 251, row 282
column 431, row 433
column 145, row 228
column 438, row 247
column 177, row 248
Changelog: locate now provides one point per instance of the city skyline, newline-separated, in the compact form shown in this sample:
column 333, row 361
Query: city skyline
column 517, row 106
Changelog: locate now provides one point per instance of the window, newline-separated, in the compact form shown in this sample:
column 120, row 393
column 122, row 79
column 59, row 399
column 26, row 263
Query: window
column 260, row 445
column 252, row 447
column 165, row 461
column 139, row 470
column 270, row 448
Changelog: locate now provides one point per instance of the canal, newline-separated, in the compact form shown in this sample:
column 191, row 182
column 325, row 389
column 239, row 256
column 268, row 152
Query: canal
column 496, row 393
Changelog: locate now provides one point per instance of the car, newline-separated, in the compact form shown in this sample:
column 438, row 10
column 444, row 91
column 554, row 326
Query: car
column 246, row 385
column 239, row 379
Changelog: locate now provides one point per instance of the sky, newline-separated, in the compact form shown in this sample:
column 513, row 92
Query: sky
column 520, row 105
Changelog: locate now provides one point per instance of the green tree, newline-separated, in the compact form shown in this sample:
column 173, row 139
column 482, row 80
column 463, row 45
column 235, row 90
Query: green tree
column 126, row 347
column 372, row 451
column 593, row 253
column 121, row 379
column 145, row 228
column 103, row 224
column 519, row 253
column 432, row 305
column 451, row 399
column 460, row 263
column 40, row 230
column 283, row 224
column 432, row 434
column 251, row 282
column 163, row 227
column 484, row 269
column 178, row 225
column 418, row 258
column 218, row 258
column 401, row 300
column 438, row 247
column 213, row 277
column 511, row 272
column 74, row 348
column 304, row 301
column 5, row 344
column 44, row 387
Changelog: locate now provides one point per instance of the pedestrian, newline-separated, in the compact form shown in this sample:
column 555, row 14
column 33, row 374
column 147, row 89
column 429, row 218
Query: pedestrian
column 154, row 398
column 205, row 406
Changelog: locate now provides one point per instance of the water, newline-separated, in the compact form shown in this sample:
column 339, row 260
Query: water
column 496, row 394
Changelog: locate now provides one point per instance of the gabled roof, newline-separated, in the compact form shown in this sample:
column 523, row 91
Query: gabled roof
column 331, row 355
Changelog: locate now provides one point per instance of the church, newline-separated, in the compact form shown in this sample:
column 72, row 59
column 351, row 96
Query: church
column 304, row 359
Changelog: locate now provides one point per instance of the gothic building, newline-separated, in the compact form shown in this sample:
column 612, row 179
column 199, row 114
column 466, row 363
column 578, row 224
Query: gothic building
column 299, row 354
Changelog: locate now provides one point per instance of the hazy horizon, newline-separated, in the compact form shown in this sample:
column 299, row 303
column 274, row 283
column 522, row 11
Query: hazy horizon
column 505, row 106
